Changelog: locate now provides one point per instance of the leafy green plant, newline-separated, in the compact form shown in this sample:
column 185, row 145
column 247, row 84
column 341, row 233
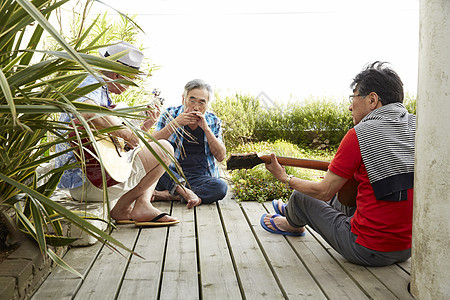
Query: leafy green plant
column 309, row 123
column 257, row 185
column 106, row 30
column 34, row 85
column 315, row 123
column 238, row 114
column 410, row 103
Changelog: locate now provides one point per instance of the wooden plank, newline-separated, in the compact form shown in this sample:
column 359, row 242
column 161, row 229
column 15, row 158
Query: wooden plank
column 106, row 274
column 218, row 279
column 63, row 283
column 394, row 278
column 180, row 273
column 406, row 266
column 378, row 282
column 142, row 278
column 333, row 280
column 368, row 282
column 255, row 276
column 297, row 282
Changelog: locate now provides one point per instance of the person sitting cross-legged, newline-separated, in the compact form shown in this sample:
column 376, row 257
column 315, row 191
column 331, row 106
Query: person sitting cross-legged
column 196, row 135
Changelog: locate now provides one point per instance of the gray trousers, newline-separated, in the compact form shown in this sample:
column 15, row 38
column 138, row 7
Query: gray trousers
column 332, row 221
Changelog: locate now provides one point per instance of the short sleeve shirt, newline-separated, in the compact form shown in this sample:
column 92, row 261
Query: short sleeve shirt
column 380, row 225
column 176, row 138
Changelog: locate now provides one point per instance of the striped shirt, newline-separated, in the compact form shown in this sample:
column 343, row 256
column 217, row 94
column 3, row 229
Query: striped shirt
column 379, row 225
column 387, row 139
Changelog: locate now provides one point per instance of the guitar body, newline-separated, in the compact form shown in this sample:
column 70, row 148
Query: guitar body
column 347, row 193
column 117, row 162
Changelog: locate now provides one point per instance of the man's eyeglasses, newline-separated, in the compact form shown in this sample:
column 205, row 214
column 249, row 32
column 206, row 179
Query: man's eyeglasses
column 193, row 102
column 350, row 98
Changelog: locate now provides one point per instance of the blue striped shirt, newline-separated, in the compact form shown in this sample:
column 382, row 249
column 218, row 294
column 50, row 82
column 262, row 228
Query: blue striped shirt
column 176, row 138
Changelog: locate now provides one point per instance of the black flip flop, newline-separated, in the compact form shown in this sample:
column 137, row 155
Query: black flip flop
column 155, row 223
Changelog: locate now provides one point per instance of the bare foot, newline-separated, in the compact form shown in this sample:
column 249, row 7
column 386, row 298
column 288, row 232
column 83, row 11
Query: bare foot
column 192, row 199
column 120, row 212
column 163, row 196
column 282, row 224
column 143, row 211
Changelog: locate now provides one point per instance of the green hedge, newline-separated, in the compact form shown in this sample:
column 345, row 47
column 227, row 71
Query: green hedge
column 238, row 114
column 311, row 123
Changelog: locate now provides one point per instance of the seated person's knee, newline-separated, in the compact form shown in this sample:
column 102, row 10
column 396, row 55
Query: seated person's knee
column 222, row 189
column 163, row 153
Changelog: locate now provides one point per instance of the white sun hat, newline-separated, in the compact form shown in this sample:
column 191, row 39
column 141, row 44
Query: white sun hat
column 133, row 58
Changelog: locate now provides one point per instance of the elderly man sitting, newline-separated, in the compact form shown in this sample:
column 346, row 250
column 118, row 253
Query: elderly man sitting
column 196, row 135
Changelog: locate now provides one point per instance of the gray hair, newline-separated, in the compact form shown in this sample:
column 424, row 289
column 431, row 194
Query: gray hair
column 197, row 84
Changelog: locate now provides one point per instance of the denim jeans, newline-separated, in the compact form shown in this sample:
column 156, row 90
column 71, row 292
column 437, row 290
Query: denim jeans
column 207, row 188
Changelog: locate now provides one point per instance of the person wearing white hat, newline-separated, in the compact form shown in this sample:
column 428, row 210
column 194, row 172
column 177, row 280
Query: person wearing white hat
column 133, row 56
column 133, row 196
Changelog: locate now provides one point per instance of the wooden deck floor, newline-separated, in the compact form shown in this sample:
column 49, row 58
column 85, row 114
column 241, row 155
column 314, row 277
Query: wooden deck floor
column 220, row 251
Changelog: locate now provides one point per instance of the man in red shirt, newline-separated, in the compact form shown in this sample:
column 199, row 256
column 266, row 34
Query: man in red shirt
column 379, row 153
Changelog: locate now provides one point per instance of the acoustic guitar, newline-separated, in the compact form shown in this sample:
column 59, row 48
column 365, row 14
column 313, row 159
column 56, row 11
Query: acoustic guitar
column 116, row 157
column 346, row 195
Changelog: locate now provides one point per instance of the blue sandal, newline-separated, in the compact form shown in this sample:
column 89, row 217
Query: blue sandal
column 277, row 210
column 277, row 230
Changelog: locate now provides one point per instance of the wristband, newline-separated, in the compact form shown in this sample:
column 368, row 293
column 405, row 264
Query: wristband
column 288, row 181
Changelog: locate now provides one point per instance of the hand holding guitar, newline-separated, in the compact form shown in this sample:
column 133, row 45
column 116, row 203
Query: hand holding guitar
column 128, row 135
column 152, row 115
column 346, row 195
column 277, row 170
column 117, row 149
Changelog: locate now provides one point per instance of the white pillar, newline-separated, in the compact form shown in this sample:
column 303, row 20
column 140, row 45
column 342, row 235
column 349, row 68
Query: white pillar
column 430, row 278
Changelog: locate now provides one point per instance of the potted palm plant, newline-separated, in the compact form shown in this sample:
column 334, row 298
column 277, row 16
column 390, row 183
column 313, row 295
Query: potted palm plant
column 34, row 84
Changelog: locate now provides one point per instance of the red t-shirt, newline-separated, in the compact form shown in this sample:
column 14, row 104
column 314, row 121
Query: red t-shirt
column 380, row 225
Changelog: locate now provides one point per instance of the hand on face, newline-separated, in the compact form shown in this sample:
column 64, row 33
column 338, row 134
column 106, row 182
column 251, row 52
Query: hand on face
column 199, row 119
column 192, row 118
column 195, row 105
column 187, row 118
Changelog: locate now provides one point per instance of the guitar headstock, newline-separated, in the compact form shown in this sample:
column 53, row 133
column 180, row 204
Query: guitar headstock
column 243, row 161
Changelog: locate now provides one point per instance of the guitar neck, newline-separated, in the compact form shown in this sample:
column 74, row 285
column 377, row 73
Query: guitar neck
column 298, row 162
column 346, row 195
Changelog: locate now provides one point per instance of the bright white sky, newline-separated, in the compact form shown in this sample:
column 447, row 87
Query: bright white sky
column 284, row 48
